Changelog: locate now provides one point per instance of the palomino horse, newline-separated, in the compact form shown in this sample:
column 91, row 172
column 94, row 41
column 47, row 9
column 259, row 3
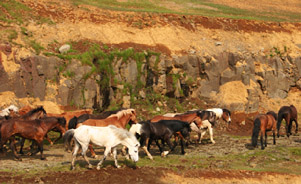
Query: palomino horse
column 262, row 124
column 29, row 129
column 120, row 120
column 289, row 113
column 162, row 130
column 109, row 136
column 224, row 114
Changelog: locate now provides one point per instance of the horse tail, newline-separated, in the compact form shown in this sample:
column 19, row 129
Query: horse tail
column 256, row 131
column 72, row 123
column 68, row 137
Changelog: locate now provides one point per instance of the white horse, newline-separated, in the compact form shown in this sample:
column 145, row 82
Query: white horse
column 206, row 125
column 225, row 114
column 6, row 111
column 109, row 137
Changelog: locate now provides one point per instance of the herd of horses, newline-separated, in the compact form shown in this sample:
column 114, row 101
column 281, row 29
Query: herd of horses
column 108, row 129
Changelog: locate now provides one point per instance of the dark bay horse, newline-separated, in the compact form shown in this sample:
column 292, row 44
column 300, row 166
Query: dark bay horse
column 289, row 114
column 196, row 116
column 262, row 124
column 29, row 129
column 33, row 114
column 120, row 120
column 162, row 130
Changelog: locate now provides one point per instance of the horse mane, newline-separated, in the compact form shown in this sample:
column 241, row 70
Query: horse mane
column 226, row 110
column 121, row 133
column 122, row 113
column 41, row 108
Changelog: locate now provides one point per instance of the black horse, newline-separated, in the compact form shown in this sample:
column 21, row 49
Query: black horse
column 162, row 130
column 289, row 113
column 76, row 120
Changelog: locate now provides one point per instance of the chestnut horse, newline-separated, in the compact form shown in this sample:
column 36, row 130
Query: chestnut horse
column 262, row 124
column 76, row 120
column 120, row 120
column 29, row 129
column 289, row 113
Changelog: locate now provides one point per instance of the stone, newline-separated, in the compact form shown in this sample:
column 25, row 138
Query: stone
column 64, row 48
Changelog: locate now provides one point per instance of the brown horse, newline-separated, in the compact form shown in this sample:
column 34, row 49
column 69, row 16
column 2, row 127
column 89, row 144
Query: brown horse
column 120, row 120
column 289, row 113
column 30, row 129
column 262, row 124
column 36, row 113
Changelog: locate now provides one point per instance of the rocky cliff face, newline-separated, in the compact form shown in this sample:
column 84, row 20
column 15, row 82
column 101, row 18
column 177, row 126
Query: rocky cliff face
column 238, row 81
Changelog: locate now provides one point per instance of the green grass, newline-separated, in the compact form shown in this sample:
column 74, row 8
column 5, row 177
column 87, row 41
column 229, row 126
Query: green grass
column 191, row 7
column 13, row 11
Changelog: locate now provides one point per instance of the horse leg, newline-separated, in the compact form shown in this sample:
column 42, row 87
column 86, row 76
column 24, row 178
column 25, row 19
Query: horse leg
column 21, row 146
column 107, row 151
column 167, row 140
column 93, row 154
column 13, row 148
column 182, row 146
column 265, row 140
column 75, row 150
column 211, row 134
column 49, row 140
column 61, row 135
column 274, row 137
column 146, row 150
column 160, row 148
column 287, row 120
column 40, row 148
column 261, row 140
column 115, row 157
column 202, row 135
column 290, row 125
column 84, row 150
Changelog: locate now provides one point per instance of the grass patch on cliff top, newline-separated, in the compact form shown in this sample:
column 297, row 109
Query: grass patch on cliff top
column 192, row 7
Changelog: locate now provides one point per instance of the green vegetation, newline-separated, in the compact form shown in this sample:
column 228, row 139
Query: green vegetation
column 191, row 7
column 36, row 46
column 13, row 11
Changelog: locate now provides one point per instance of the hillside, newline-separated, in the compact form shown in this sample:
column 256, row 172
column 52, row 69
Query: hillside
column 179, row 29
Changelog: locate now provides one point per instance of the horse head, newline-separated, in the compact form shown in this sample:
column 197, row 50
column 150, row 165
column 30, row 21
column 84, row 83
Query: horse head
column 226, row 116
column 133, row 117
column 133, row 146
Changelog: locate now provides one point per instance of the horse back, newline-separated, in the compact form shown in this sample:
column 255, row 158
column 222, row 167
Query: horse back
column 101, row 122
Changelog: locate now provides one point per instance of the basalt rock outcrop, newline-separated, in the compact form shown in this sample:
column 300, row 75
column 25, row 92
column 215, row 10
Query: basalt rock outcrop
column 245, row 77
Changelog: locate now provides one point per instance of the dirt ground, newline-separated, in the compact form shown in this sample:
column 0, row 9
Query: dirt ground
column 56, row 168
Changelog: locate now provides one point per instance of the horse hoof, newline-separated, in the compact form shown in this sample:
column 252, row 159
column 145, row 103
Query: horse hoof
column 90, row 166
column 72, row 168
column 98, row 168
column 43, row 158
column 118, row 166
